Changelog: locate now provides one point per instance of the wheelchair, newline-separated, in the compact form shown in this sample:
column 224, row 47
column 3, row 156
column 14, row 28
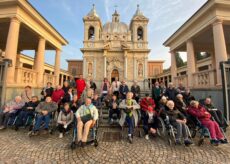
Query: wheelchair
column 92, row 138
column 52, row 124
column 169, row 132
column 203, row 131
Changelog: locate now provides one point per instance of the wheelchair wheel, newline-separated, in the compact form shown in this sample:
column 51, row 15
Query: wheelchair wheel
column 95, row 143
column 192, row 127
column 170, row 141
column 161, row 127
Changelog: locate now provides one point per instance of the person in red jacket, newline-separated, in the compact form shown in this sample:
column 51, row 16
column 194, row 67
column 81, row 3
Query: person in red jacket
column 80, row 85
column 147, row 103
column 58, row 94
column 204, row 117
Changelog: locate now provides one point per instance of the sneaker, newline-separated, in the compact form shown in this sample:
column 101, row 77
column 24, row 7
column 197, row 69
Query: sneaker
column 188, row 142
column 35, row 133
column 61, row 135
column 223, row 141
column 2, row 127
column 130, row 139
column 147, row 137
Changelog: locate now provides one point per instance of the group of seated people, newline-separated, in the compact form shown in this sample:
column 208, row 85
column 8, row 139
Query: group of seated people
column 71, row 108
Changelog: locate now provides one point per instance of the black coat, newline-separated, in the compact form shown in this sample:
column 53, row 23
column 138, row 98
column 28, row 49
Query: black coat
column 30, row 104
column 171, row 93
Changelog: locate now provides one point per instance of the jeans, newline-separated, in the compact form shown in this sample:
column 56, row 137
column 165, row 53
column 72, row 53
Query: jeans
column 22, row 117
column 130, row 121
column 181, row 130
column 41, row 118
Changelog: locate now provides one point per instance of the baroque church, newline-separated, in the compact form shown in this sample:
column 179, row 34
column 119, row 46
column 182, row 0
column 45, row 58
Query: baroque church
column 115, row 49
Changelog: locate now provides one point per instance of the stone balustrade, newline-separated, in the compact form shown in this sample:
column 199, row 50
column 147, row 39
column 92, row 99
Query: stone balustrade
column 48, row 78
column 181, row 79
column 26, row 76
column 204, row 79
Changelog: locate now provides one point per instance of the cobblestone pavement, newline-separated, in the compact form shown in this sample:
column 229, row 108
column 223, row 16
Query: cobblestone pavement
column 17, row 147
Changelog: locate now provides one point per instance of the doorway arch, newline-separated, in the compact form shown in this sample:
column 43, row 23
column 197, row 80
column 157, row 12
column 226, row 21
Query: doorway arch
column 114, row 74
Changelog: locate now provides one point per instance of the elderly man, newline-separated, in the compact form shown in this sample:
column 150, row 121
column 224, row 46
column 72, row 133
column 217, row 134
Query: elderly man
column 87, row 116
column 11, row 109
column 216, row 113
column 44, row 110
column 135, row 89
column 123, row 90
column 171, row 92
column 115, row 86
column 129, row 114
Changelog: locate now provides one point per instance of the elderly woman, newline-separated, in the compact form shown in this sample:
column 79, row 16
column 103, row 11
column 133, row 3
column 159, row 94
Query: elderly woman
column 87, row 93
column 27, row 94
column 10, row 110
column 129, row 114
column 180, row 104
column 178, row 120
column 65, row 118
column 204, row 117
column 87, row 116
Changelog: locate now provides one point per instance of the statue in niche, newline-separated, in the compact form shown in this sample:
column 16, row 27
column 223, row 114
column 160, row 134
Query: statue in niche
column 90, row 69
column 140, row 70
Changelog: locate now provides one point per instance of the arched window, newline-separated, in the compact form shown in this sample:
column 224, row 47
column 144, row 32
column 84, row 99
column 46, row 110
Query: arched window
column 91, row 33
column 140, row 33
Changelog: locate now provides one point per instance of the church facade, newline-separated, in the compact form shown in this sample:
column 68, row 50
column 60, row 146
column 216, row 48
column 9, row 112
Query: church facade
column 116, row 49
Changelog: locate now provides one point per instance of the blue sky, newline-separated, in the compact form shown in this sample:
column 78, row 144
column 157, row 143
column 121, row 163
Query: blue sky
column 166, row 16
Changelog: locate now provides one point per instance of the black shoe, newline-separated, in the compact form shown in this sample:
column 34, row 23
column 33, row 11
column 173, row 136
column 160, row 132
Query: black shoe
column 83, row 144
column 223, row 141
column 178, row 142
column 214, row 142
column 188, row 142
column 79, row 143
column 16, row 128
column 130, row 139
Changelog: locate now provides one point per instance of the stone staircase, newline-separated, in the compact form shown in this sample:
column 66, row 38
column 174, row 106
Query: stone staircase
column 104, row 114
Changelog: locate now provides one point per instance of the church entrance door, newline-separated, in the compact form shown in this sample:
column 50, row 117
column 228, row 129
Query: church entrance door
column 114, row 74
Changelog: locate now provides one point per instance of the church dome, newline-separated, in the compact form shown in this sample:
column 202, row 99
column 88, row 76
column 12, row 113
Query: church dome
column 115, row 27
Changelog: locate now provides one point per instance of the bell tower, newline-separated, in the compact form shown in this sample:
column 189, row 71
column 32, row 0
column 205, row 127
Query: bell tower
column 92, row 26
column 138, row 26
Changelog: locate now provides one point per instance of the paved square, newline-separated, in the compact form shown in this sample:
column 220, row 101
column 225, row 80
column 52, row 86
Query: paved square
column 17, row 147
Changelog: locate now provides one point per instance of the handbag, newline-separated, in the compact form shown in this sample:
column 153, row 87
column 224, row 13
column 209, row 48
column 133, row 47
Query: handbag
column 87, row 116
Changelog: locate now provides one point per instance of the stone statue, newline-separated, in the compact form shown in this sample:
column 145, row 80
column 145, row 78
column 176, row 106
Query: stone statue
column 140, row 70
column 90, row 69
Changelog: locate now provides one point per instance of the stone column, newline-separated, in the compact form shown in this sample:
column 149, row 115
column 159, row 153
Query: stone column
column 61, row 79
column 84, row 67
column 105, row 67
column 173, row 66
column 57, row 66
column 220, row 48
column 94, row 68
column 135, row 68
column 125, row 65
column 191, row 63
column 11, row 48
column 146, row 68
column 39, row 61
column 105, row 64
